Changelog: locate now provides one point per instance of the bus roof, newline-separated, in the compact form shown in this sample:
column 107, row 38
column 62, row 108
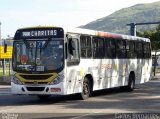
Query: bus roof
column 104, row 34
column 91, row 32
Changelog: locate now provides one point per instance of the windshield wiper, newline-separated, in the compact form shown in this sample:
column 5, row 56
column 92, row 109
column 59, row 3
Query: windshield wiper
column 46, row 43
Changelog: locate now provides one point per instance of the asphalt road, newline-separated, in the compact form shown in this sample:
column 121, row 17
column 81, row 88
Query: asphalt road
column 144, row 101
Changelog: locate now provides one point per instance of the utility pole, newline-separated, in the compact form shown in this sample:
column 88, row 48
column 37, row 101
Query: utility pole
column 133, row 26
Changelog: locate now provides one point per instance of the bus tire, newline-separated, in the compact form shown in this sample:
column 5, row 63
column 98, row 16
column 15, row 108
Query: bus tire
column 86, row 89
column 43, row 97
column 131, row 83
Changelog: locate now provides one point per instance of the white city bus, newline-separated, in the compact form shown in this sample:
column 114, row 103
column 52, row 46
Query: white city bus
column 57, row 61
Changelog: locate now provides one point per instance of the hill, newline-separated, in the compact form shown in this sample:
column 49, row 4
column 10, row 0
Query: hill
column 117, row 21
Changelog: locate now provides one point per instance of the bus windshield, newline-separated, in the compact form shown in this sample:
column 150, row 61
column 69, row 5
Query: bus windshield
column 42, row 55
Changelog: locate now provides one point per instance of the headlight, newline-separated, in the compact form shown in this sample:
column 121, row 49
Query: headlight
column 57, row 80
column 15, row 80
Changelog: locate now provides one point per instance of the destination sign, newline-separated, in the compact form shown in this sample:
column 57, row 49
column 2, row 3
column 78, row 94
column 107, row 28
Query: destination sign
column 32, row 33
column 39, row 33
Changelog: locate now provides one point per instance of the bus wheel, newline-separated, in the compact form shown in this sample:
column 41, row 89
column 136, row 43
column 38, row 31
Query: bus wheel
column 86, row 91
column 43, row 97
column 131, row 83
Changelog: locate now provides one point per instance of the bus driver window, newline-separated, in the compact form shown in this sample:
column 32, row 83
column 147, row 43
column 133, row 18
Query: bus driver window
column 73, row 51
column 71, row 48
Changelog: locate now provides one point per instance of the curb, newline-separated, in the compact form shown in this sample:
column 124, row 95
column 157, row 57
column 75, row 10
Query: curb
column 4, row 87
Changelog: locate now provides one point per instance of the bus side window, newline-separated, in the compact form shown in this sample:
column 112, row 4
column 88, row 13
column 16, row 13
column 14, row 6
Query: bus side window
column 131, row 53
column 121, row 49
column 110, row 48
column 73, row 51
column 98, row 47
column 139, row 49
column 128, row 53
column 85, row 43
column 66, row 51
column 147, row 50
column 71, row 46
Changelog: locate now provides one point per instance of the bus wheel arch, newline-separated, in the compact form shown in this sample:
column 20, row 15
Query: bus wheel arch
column 131, row 81
column 87, row 87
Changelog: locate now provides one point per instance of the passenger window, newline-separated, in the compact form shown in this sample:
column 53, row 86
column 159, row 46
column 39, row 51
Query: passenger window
column 147, row 50
column 131, row 53
column 110, row 48
column 98, row 47
column 139, row 49
column 121, row 48
column 86, row 50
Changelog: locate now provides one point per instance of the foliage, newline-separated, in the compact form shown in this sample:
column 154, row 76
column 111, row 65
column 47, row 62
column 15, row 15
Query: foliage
column 153, row 35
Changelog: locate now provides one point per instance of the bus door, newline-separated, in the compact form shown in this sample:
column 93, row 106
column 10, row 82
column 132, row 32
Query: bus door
column 73, row 60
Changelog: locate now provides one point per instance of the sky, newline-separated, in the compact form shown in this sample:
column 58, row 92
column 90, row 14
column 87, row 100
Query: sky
column 16, row 14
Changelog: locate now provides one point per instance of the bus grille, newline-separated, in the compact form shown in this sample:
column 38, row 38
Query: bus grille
column 37, row 83
column 36, row 77
column 35, row 88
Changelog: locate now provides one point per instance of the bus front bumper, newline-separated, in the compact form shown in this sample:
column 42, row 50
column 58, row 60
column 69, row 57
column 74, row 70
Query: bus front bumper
column 37, row 89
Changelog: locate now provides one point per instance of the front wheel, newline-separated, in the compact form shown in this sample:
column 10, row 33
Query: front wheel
column 86, row 89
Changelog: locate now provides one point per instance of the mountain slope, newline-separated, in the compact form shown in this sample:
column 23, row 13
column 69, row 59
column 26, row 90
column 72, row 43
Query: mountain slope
column 117, row 21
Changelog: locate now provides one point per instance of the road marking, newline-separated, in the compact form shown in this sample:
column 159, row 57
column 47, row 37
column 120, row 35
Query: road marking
column 86, row 115
column 82, row 116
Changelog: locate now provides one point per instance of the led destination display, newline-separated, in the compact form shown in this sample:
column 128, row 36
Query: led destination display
column 39, row 33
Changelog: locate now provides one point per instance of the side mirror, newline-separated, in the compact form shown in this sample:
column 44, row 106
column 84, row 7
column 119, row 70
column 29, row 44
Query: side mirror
column 5, row 48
